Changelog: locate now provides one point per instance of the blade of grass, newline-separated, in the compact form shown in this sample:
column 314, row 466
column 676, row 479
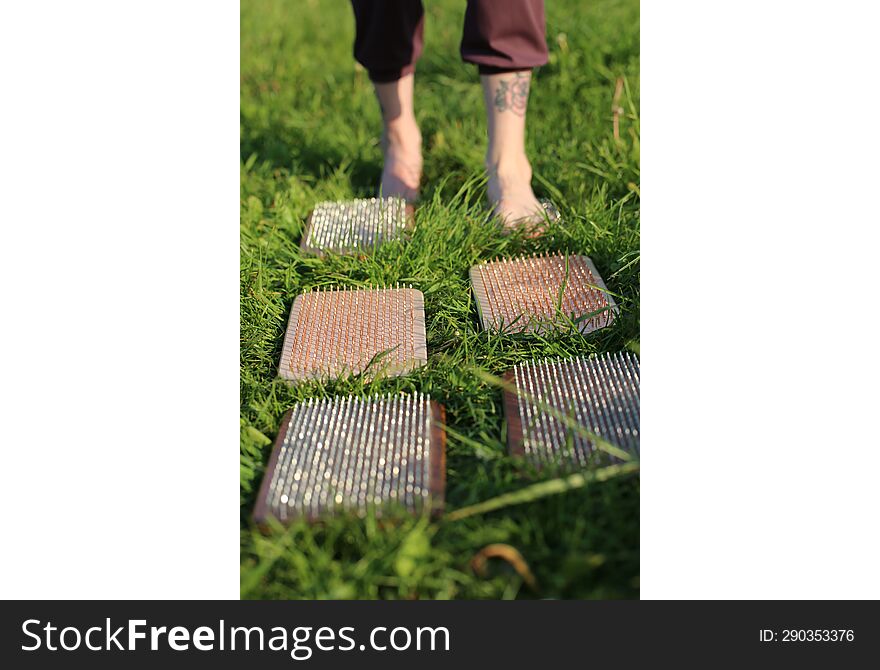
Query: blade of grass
column 543, row 489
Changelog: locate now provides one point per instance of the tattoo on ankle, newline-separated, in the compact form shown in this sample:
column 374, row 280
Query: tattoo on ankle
column 513, row 94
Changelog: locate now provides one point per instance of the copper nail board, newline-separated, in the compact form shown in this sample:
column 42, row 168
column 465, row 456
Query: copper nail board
column 523, row 294
column 334, row 333
column 352, row 453
column 601, row 394
column 354, row 225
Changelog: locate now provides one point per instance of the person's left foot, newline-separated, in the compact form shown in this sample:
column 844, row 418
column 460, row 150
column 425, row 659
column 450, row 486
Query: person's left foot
column 510, row 192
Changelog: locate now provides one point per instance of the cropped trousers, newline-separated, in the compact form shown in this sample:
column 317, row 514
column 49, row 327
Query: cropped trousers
column 498, row 36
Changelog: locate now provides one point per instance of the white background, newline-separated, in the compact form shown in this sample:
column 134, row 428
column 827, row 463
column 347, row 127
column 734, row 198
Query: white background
column 759, row 300
column 120, row 288
column 119, row 194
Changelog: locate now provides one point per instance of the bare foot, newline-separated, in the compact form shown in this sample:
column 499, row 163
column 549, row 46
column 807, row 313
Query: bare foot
column 402, row 170
column 511, row 195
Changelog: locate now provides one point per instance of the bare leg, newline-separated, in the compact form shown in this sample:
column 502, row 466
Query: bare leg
column 401, row 139
column 510, row 173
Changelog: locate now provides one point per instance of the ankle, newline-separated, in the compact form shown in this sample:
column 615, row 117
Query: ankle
column 402, row 133
column 509, row 165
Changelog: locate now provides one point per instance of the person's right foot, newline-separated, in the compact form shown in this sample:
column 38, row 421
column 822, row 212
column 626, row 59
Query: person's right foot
column 402, row 169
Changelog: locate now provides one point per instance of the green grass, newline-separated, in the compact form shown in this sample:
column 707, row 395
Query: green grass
column 309, row 126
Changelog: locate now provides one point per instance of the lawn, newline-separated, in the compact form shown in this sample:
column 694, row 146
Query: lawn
column 309, row 132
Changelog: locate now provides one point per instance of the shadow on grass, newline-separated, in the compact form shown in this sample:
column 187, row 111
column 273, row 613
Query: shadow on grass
column 305, row 154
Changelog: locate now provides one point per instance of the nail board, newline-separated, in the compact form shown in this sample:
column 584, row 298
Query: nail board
column 550, row 210
column 350, row 453
column 558, row 406
column 352, row 226
column 541, row 293
column 339, row 332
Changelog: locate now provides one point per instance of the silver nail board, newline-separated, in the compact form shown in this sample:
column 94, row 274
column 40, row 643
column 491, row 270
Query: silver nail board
column 350, row 453
column 559, row 406
column 351, row 226
column 541, row 293
column 551, row 211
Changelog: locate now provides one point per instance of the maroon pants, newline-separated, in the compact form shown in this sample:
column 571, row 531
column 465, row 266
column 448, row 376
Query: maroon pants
column 499, row 36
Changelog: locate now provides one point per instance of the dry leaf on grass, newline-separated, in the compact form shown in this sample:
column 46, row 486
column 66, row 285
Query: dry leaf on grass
column 509, row 554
